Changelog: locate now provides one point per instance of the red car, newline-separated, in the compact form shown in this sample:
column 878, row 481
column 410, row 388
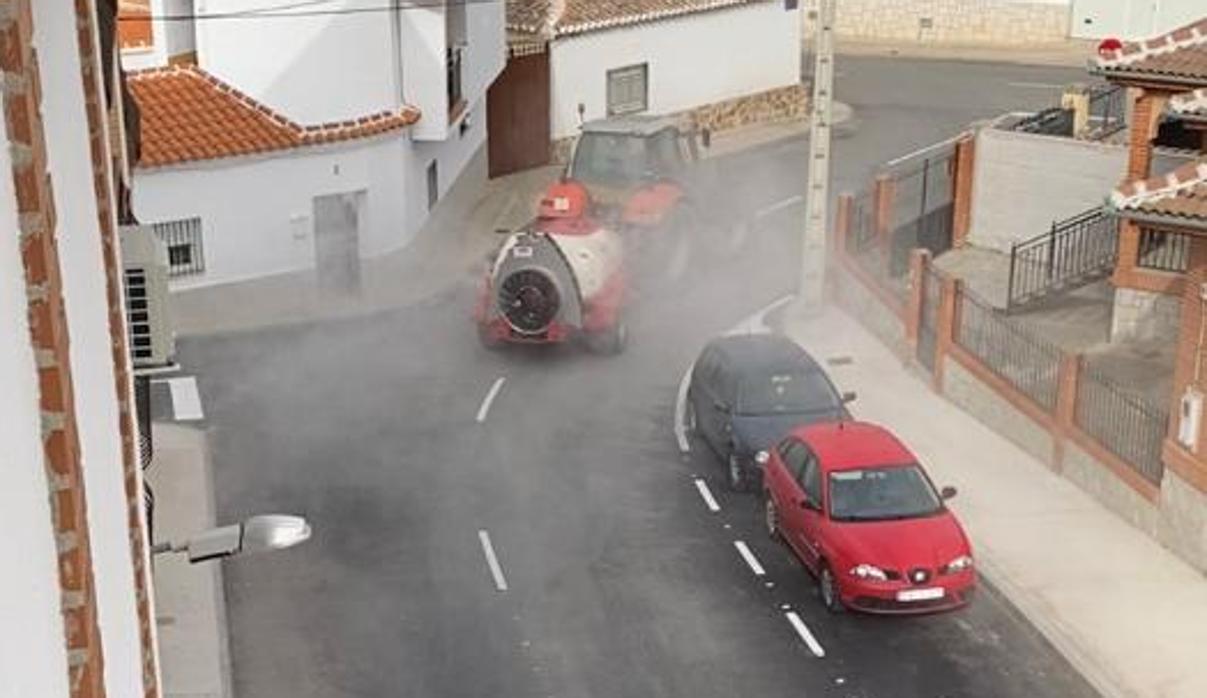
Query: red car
column 864, row 517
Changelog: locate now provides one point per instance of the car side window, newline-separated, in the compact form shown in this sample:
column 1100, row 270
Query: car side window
column 810, row 476
column 793, row 453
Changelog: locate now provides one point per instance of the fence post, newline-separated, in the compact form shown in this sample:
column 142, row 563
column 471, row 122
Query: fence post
column 919, row 262
column 1010, row 278
column 1066, row 406
column 842, row 222
column 961, row 210
column 1051, row 249
column 946, row 325
column 882, row 214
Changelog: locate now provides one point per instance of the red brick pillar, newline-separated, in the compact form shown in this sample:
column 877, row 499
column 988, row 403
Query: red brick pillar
column 1066, row 406
column 946, row 325
column 48, row 335
column 1146, row 117
column 919, row 261
column 961, row 221
column 1190, row 370
column 844, row 208
column 1129, row 250
column 882, row 216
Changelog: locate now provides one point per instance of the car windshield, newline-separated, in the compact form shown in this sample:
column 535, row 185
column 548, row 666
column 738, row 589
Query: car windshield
column 613, row 158
column 786, row 393
column 878, row 494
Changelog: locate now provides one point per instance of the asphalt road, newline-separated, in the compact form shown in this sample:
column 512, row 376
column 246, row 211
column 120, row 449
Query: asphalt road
column 613, row 577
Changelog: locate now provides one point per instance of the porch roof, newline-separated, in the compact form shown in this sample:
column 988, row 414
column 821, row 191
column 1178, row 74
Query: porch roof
column 1177, row 58
column 188, row 115
column 1180, row 196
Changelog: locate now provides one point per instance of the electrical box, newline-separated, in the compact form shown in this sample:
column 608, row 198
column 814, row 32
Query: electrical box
column 145, row 277
column 1190, row 415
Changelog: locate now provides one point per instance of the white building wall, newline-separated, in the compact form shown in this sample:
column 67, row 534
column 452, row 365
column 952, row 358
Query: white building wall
column 169, row 37
column 33, row 660
column 87, row 311
column 694, row 60
column 423, row 73
column 313, row 69
column 257, row 213
column 452, row 155
column 1132, row 19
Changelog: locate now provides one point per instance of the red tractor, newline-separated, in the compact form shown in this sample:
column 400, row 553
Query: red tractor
column 559, row 279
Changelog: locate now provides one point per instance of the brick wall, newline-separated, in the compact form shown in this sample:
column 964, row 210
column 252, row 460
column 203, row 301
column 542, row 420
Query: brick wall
column 51, row 344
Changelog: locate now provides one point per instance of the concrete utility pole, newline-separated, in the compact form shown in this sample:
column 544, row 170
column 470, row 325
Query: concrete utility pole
column 813, row 261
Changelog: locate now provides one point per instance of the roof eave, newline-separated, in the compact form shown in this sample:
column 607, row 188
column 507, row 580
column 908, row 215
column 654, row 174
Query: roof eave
column 1196, row 224
column 1147, row 79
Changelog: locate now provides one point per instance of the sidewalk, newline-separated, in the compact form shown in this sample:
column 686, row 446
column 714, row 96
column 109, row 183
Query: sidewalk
column 190, row 611
column 1071, row 53
column 1127, row 613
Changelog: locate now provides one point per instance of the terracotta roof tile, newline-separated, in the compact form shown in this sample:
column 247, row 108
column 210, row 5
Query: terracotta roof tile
column 555, row 18
column 1181, row 193
column 1179, row 56
column 190, row 115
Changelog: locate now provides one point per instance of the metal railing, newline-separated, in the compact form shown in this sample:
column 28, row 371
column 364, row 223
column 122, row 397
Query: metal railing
column 186, row 254
column 871, row 252
column 1030, row 364
column 1124, row 422
column 1163, row 251
column 1075, row 251
column 1054, row 121
column 1108, row 110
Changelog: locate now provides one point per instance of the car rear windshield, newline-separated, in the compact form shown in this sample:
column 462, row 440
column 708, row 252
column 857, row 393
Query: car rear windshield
column 786, row 393
column 613, row 158
column 880, row 494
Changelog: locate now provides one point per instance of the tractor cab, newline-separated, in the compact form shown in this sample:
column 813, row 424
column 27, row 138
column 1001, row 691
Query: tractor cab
column 624, row 153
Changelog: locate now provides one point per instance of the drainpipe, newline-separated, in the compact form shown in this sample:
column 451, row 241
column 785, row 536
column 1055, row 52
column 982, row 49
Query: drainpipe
column 396, row 33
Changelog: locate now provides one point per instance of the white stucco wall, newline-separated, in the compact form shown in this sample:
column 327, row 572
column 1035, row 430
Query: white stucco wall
column 257, row 213
column 33, row 661
column 169, row 38
column 313, row 69
column 87, row 310
column 452, row 155
column 1132, row 19
column 693, row 60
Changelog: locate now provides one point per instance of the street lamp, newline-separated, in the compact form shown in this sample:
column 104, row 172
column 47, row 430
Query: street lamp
column 257, row 534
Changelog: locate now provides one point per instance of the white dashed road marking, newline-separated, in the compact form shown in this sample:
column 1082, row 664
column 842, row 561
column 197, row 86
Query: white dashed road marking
column 490, row 398
column 706, row 495
column 803, row 630
column 492, row 561
column 749, row 557
column 186, row 400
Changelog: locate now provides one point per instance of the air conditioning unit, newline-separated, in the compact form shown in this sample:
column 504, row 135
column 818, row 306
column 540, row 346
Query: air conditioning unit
column 145, row 275
column 1190, row 415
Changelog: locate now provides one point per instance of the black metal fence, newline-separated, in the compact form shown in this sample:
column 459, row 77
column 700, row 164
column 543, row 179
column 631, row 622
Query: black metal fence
column 1108, row 110
column 869, row 250
column 186, row 254
column 1126, row 423
column 1054, row 121
column 1163, row 251
column 1027, row 362
column 923, row 196
column 1075, row 250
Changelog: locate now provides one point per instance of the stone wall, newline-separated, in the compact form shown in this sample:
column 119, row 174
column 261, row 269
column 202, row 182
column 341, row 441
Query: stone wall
column 1003, row 22
column 977, row 398
column 1183, row 521
column 1144, row 315
column 783, row 104
column 855, row 298
column 1099, row 482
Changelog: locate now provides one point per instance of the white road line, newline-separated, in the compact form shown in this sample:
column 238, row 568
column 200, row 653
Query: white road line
column 1036, row 85
column 186, row 401
column 492, row 561
column 706, row 495
column 779, row 206
column 803, row 630
column 490, row 398
column 749, row 557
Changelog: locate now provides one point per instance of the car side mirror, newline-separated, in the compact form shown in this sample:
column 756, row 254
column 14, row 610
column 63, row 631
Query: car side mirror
column 948, row 492
column 848, row 397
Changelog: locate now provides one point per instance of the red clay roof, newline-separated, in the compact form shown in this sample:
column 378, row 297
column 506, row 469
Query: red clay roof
column 189, row 115
column 1180, row 194
column 556, row 18
column 1179, row 57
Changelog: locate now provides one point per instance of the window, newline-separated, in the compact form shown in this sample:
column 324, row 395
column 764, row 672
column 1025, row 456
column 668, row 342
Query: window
column 628, row 90
column 433, row 185
column 794, row 454
column 666, row 154
column 810, row 479
column 879, row 494
column 183, row 240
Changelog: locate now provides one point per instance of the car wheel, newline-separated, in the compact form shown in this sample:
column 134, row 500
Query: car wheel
column 772, row 518
column 827, row 587
column 734, row 475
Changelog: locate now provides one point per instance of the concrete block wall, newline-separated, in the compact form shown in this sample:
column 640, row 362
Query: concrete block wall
column 1088, row 473
column 1003, row 22
column 1182, row 524
column 1143, row 315
column 972, row 395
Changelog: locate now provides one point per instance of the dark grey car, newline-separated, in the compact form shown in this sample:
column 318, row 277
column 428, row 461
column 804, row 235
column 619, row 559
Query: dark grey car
column 747, row 391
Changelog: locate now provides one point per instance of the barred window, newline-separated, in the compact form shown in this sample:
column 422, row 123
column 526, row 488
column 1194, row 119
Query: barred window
column 183, row 239
column 628, row 89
